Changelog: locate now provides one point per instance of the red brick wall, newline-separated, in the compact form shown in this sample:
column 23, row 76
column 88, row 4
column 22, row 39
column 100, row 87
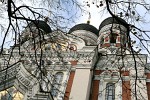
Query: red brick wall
column 148, row 89
column 148, row 75
column 118, row 44
column 74, row 62
column 70, row 81
column 106, row 45
column 148, row 85
column 95, row 86
column 125, row 73
column 69, row 85
column 95, row 90
column 126, row 90
column 97, row 72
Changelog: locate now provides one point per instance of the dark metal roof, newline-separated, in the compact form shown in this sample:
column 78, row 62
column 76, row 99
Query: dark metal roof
column 41, row 24
column 84, row 26
column 111, row 20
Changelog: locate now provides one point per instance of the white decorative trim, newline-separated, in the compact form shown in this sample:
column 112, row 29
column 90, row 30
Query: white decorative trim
column 120, row 91
column 101, row 92
column 147, row 80
column 107, row 27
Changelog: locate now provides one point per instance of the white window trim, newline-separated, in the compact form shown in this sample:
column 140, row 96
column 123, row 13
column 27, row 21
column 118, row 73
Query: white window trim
column 102, row 85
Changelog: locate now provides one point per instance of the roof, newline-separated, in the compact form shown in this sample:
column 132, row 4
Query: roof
column 42, row 25
column 84, row 26
column 111, row 20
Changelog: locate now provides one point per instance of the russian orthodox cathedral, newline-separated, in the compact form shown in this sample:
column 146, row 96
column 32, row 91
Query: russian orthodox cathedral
column 84, row 64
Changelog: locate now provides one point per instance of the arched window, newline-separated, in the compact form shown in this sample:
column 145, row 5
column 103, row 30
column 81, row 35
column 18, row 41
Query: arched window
column 110, row 91
column 56, row 83
column 113, row 37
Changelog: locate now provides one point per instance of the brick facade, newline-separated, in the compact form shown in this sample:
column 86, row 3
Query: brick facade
column 126, row 90
column 148, row 85
column 125, row 73
column 97, row 72
column 95, row 89
column 147, row 75
column 69, row 85
column 148, row 89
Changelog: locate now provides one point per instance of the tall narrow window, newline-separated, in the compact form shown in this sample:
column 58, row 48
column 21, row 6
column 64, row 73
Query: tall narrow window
column 102, row 41
column 110, row 91
column 57, row 83
column 113, row 37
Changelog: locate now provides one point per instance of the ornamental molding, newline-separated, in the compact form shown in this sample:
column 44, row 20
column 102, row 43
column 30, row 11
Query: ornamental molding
column 107, row 28
column 86, row 33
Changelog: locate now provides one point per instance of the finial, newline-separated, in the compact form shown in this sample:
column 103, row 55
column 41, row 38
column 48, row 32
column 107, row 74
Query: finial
column 114, row 9
column 88, row 21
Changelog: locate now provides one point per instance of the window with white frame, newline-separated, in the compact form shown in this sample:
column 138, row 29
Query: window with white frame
column 56, row 83
column 110, row 91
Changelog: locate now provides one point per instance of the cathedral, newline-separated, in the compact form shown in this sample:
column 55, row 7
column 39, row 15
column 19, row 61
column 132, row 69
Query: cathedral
column 84, row 64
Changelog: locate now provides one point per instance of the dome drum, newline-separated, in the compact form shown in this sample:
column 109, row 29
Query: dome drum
column 112, row 21
column 112, row 33
column 88, row 37
column 86, row 32
column 84, row 26
column 113, row 27
column 112, row 39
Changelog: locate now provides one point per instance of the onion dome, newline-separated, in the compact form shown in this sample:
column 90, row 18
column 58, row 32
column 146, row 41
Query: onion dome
column 112, row 33
column 84, row 26
column 86, row 32
column 40, row 24
column 112, row 20
column 32, row 31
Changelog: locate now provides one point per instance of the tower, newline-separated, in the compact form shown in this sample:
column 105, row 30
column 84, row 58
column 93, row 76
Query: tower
column 117, row 66
column 112, row 35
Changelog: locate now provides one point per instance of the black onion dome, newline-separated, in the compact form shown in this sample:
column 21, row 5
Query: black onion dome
column 111, row 20
column 84, row 26
column 41, row 24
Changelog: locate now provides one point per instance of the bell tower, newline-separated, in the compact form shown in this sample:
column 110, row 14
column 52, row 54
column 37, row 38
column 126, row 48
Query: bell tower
column 112, row 35
column 116, row 69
